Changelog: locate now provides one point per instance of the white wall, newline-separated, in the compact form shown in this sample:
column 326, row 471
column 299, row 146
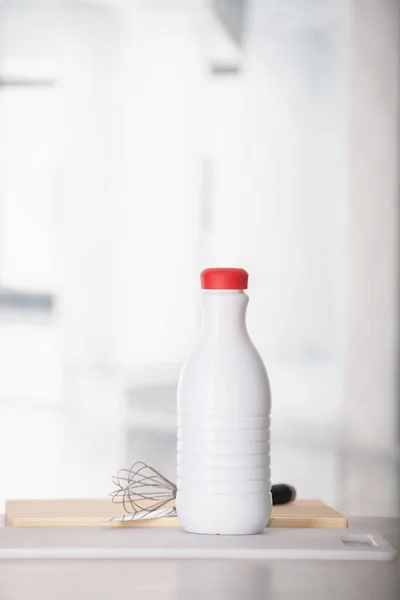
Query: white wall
column 158, row 120
column 371, row 403
column 29, row 147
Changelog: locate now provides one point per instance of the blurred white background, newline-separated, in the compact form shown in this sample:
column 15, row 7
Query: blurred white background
column 141, row 141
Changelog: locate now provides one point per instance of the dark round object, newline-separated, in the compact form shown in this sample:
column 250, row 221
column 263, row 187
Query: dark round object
column 282, row 493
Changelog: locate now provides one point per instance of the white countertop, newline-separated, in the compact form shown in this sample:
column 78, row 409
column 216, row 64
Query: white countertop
column 207, row 579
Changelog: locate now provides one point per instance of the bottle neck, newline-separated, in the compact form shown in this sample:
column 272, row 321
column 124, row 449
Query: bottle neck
column 224, row 312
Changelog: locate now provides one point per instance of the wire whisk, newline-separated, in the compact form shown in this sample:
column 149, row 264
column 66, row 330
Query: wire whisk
column 142, row 490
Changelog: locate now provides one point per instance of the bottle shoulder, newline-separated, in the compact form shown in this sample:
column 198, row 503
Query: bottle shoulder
column 225, row 378
column 226, row 352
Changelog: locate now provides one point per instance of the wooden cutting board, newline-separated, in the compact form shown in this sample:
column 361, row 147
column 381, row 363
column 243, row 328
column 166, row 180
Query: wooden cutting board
column 90, row 512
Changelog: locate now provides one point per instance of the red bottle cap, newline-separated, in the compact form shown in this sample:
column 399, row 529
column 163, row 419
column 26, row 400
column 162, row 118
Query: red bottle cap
column 224, row 279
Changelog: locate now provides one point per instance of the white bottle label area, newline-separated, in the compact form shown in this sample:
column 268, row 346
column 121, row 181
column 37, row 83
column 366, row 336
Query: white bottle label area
column 225, row 454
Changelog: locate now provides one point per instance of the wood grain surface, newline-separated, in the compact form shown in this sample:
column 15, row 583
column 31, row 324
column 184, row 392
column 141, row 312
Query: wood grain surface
column 98, row 512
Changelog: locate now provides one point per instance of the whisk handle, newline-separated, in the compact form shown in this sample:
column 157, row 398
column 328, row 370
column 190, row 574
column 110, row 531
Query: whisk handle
column 282, row 493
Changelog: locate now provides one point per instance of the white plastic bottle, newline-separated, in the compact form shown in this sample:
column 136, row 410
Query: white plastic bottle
column 224, row 405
